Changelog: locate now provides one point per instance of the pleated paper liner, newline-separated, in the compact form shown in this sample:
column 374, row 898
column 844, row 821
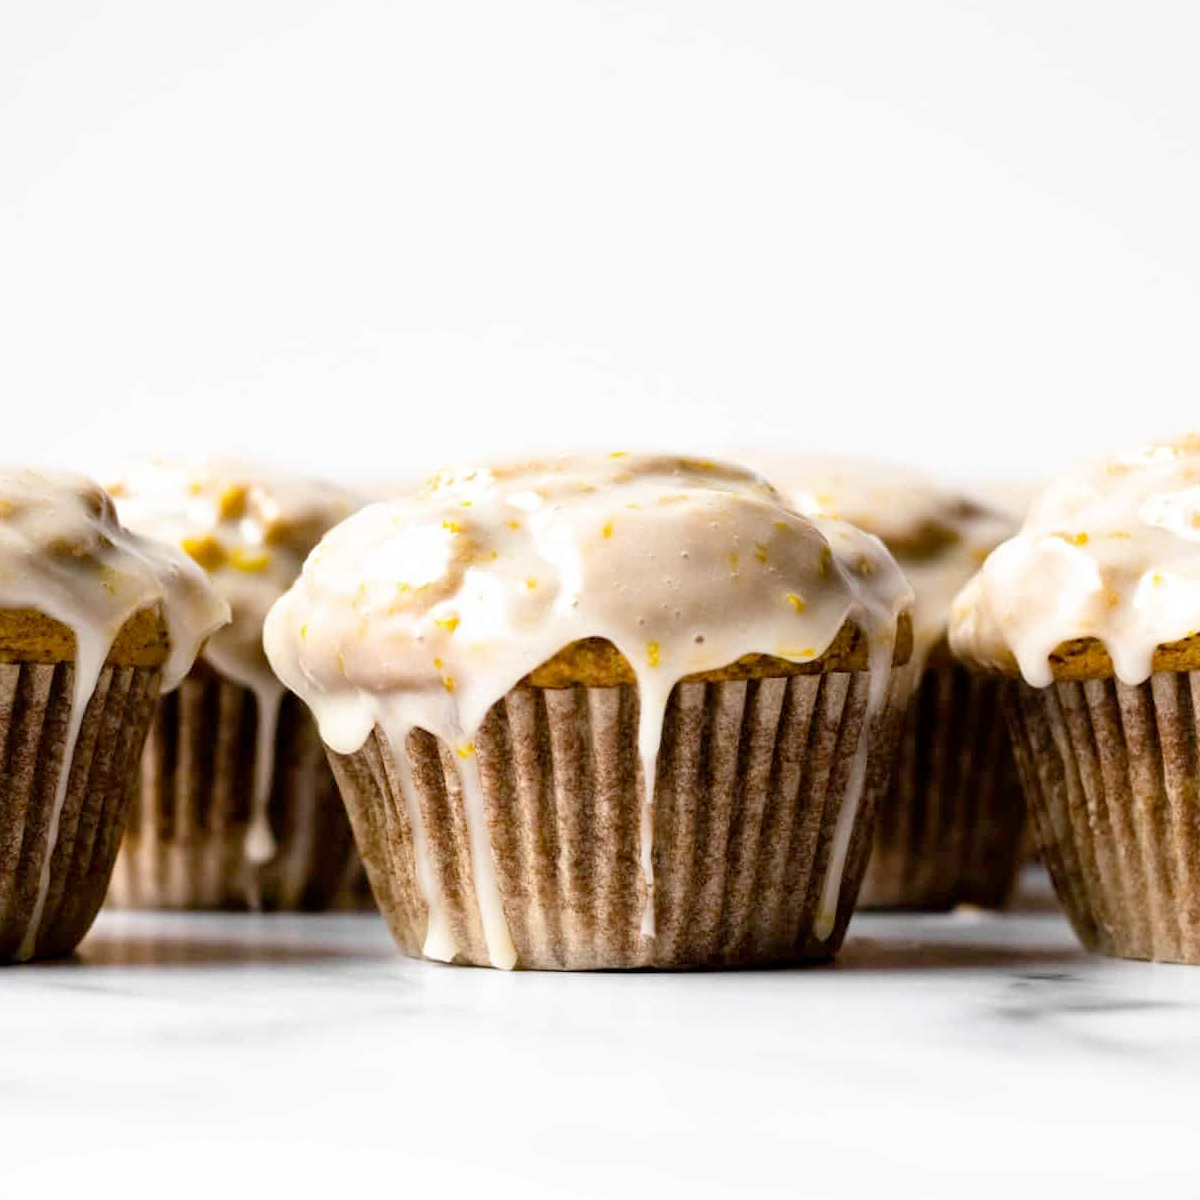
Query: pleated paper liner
column 952, row 828
column 751, row 778
column 1112, row 774
column 184, row 848
column 35, row 708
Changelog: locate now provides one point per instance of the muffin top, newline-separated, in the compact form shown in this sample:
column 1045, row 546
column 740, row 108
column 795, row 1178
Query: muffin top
column 1103, row 578
column 249, row 527
column 453, row 595
column 66, row 557
column 938, row 535
column 425, row 611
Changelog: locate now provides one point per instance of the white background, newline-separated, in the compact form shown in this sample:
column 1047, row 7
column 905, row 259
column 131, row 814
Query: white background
column 368, row 237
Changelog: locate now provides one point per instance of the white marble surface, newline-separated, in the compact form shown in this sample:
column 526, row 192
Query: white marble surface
column 966, row 1054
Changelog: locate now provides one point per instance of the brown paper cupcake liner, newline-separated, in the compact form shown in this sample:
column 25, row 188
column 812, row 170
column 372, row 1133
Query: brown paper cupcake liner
column 184, row 848
column 35, row 710
column 951, row 829
column 1112, row 774
column 751, row 778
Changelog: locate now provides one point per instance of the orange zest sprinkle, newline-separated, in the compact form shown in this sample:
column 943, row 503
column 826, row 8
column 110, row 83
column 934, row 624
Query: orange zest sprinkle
column 250, row 561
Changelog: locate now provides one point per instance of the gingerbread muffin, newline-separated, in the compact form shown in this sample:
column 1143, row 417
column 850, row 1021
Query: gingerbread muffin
column 1092, row 612
column 237, row 807
column 952, row 827
column 608, row 711
column 94, row 622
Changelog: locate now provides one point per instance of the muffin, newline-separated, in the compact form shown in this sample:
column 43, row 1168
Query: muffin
column 951, row 829
column 1092, row 613
column 599, row 712
column 94, row 622
column 237, row 807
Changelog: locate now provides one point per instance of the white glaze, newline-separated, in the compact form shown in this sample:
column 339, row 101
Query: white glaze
column 1110, row 550
column 424, row 612
column 899, row 506
column 251, row 528
column 63, row 553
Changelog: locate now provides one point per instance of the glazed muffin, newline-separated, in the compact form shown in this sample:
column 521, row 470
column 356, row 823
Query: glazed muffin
column 237, row 807
column 1093, row 613
column 603, row 712
column 94, row 622
column 951, row 829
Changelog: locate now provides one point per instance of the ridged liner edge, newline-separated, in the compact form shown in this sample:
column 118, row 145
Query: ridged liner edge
column 750, row 781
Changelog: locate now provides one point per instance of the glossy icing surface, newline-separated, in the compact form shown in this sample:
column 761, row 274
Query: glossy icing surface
column 64, row 554
column 938, row 535
column 424, row 612
column 1111, row 551
column 251, row 529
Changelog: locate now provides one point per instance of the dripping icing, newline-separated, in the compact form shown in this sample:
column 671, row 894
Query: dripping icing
column 1110, row 550
column 938, row 535
column 259, row 845
column 439, row 938
column 250, row 528
column 425, row 612
column 843, row 831
column 64, row 554
column 652, row 713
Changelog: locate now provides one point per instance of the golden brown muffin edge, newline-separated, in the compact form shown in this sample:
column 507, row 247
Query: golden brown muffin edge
column 29, row 636
column 596, row 662
column 1087, row 658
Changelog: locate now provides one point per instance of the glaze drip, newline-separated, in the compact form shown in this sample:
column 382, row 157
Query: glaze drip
column 426, row 611
column 64, row 554
column 250, row 528
column 938, row 535
column 1110, row 551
